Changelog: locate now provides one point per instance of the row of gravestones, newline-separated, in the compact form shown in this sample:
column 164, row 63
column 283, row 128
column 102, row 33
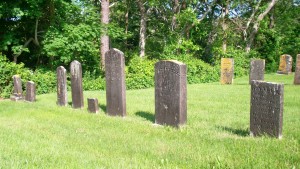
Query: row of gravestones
column 257, row 68
column 18, row 91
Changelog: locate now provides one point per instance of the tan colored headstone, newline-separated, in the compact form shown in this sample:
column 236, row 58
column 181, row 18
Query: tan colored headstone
column 227, row 70
column 297, row 71
column 285, row 65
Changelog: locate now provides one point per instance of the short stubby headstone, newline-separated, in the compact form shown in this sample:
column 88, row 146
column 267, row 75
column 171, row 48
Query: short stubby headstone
column 170, row 93
column 61, row 74
column 266, row 109
column 227, row 70
column 115, row 83
column 76, row 84
column 297, row 71
column 93, row 106
column 17, row 92
column 30, row 92
column 285, row 65
column 257, row 70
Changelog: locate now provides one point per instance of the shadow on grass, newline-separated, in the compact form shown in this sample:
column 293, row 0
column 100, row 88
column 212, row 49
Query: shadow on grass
column 147, row 115
column 102, row 107
column 239, row 132
column 70, row 104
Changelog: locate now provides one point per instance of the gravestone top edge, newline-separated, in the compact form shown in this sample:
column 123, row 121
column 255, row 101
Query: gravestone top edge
column 260, row 81
column 16, row 76
column 75, row 61
column 173, row 61
column 30, row 82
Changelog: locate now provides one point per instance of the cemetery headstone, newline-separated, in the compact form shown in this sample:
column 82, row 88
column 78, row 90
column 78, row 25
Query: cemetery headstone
column 266, row 109
column 115, row 83
column 297, row 71
column 76, row 84
column 285, row 66
column 62, row 98
column 30, row 92
column 257, row 70
column 170, row 93
column 93, row 106
column 17, row 92
column 227, row 70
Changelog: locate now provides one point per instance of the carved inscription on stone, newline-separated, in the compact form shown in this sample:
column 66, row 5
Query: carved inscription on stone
column 93, row 106
column 170, row 93
column 61, row 86
column 76, row 84
column 297, row 71
column 18, row 92
column 285, row 65
column 257, row 70
column 115, row 83
column 227, row 70
column 266, row 109
column 30, row 92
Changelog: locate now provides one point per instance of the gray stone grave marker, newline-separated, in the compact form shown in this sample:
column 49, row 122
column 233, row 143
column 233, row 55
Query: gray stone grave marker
column 297, row 71
column 285, row 65
column 61, row 74
column 76, row 84
column 115, row 83
column 266, row 109
column 93, row 106
column 257, row 70
column 170, row 93
column 227, row 70
column 17, row 92
column 30, row 92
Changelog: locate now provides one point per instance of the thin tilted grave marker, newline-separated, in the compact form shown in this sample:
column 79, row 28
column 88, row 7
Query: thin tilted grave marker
column 18, row 92
column 76, row 84
column 93, row 106
column 170, row 93
column 62, row 99
column 266, row 109
column 30, row 92
column 297, row 71
column 227, row 70
column 257, row 70
column 285, row 66
column 115, row 83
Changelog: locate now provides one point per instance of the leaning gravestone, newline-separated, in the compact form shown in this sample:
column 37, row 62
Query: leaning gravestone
column 115, row 83
column 285, row 65
column 257, row 70
column 76, row 84
column 18, row 92
column 30, row 92
column 266, row 109
column 93, row 106
column 170, row 93
column 297, row 71
column 61, row 86
column 227, row 70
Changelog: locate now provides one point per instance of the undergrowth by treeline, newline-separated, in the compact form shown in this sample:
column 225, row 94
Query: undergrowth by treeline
column 139, row 74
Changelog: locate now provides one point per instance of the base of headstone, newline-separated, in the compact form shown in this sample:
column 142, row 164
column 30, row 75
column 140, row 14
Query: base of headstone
column 252, row 135
column 284, row 73
column 16, row 98
column 93, row 106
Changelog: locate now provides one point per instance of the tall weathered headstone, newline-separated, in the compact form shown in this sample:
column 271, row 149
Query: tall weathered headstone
column 266, row 109
column 115, row 83
column 170, row 93
column 227, row 70
column 93, row 106
column 62, row 98
column 285, row 65
column 17, row 92
column 76, row 84
column 30, row 92
column 297, row 71
column 257, row 70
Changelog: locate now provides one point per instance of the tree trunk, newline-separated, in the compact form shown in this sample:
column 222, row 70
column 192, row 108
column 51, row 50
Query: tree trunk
column 143, row 26
column 104, row 38
column 225, row 12
column 175, row 12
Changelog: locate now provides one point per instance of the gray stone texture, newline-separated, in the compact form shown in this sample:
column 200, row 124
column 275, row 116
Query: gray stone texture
column 170, row 93
column 76, row 84
column 297, row 71
column 115, row 83
column 257, row 70
column 93, row 106
column 62, row 97
column 285, row 65
column 266, row 109
column 30, row 92
column 17, row 91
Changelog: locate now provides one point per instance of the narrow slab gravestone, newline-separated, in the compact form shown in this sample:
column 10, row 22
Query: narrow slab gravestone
column 227, row 70
column 30, row 92
column 93, row 106
column 17, row 92
column 297, row 71
column 285, row 65
column 115, row 83
column 266, row 109
column 76, row 84
column 257, row 70
column 170, row 93
column 61, row 74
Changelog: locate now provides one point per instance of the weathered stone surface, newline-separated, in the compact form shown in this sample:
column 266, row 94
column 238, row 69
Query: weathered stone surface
column 285, row 66
column 62, row 98
column 115, row 83
column 170, row 93
column 76, row 84
column 17, row 92
column 266, row 109
column 93, row 106
column 227, row 70
column 297, row 71
column 30, row 92
column 257, row 70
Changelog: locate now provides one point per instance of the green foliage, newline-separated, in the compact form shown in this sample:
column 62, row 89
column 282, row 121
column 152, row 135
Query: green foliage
column 45, row 81
column 92, row 81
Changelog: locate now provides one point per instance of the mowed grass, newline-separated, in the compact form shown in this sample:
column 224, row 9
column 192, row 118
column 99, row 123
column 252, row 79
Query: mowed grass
column 43, row 135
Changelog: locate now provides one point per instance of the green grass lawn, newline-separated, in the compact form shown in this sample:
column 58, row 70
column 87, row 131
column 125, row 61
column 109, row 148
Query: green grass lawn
column 43, row 135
